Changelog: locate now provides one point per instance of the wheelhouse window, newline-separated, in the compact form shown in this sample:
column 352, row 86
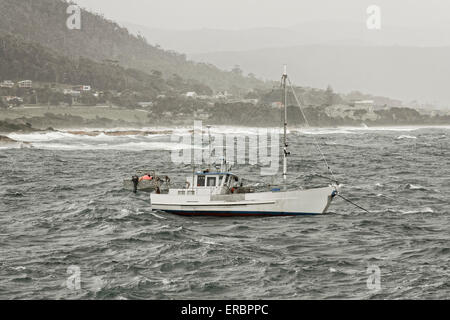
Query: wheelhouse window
column 212, row 181
column 200, row 181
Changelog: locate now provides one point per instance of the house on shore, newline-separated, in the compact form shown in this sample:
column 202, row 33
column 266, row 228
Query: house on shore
column 11, row 100
column 277, row 105
column 82, row 88
column 192, row 95
column 145, row 104
column 363, row 104
column 27, row 84
column 7, row 84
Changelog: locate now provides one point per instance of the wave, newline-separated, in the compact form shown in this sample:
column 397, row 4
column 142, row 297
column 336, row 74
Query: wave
column 240, row 130
column 128, row 146
column 152, row 138
column 406, row 137
column 363, row 129
column 352, row 130
column 17, row 145
column 84, row 135
column 104, row 133
column 415, row 187
column 41, row 136
column 157, row 216
column 420, row 210
column 323, row 131
column 124, row 140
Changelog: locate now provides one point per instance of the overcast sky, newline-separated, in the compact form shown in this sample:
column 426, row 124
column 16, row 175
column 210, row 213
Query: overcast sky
column 238, row 14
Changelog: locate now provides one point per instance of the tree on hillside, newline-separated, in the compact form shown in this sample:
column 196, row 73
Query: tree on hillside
column 103, row 41
column 157, row 73
column 237, row 70
column 329, row 96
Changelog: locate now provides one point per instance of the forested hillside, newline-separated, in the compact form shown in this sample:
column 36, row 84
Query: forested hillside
column 22, row 60
column 44, row 22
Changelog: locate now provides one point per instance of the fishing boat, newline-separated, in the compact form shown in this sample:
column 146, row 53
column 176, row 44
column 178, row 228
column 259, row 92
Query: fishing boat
column 219, row 193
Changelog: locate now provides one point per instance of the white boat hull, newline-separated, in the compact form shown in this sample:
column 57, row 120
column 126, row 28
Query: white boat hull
column 297, row 202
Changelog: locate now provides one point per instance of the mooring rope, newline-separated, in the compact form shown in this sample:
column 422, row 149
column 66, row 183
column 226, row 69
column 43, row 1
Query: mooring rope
column 320, row 150
column 351, row 202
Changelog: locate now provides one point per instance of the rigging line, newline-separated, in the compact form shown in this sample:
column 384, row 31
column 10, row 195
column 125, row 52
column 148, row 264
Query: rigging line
column 307, row 124
column 398, row 201
column 351, row 202
column 327, row 178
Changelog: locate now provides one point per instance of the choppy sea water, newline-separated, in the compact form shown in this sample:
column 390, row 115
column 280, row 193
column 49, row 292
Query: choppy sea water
column 64, row 216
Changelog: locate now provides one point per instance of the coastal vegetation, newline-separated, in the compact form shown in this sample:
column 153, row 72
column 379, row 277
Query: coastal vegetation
column 25, row 60
column 237, row 114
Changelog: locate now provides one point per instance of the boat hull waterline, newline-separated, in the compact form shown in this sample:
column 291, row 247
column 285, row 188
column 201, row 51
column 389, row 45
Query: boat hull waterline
column 288, row 203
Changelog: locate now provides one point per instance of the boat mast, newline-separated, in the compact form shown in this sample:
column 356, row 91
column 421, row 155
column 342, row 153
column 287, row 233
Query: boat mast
column 210, row 152
column 285, row 145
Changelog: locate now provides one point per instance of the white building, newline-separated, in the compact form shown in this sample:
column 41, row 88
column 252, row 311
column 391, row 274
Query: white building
column 25, row 84
column 277, row 105
column 191, row 94
column 73, row 93
column 364, row 103
column 7, row 84
column 223, row 95
column 145, row 104
column 84, row 88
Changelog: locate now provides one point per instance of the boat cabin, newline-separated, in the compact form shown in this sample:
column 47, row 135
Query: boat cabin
column 209, row 183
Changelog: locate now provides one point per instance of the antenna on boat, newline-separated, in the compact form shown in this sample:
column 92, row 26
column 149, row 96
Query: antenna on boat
column 284, row 101
column 209, row 136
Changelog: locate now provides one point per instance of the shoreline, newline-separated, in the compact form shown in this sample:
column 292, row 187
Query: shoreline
column 26, row 139
column 170, row 129
column 115, row 119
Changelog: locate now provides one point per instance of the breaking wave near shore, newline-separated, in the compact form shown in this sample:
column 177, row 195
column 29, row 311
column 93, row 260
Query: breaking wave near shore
column 159, row 139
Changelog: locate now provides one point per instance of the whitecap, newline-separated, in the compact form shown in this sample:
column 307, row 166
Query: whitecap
column 157, row 216
column 124, row 213
column 414, row 187
column 15, row 145
column 207, row 241
column 130, row 146
column 406, row 137
column 325, row 131
column 19, row 268
column 422, row 210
